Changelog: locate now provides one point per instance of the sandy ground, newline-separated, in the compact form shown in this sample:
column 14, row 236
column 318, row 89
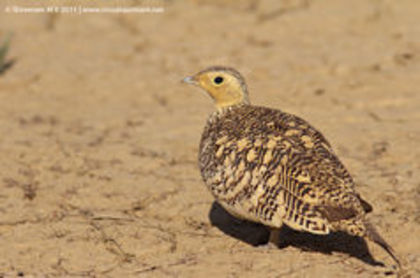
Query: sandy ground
column 99, row 139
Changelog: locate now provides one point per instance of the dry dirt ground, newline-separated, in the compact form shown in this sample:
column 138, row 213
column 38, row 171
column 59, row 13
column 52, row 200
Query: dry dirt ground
column 99, row 139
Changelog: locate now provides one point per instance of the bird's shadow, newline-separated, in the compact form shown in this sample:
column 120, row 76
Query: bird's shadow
column 257, row 234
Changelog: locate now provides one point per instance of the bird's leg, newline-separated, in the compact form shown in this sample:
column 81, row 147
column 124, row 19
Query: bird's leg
column 273, row 240
column 279, row 238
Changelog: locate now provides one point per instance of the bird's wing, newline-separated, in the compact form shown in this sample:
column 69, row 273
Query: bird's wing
column 320, row 187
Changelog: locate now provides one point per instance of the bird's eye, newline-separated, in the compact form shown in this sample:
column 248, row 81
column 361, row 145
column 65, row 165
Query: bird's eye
column 218, row 80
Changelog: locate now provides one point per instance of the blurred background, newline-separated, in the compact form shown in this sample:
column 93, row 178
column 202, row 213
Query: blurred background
column 99, row 139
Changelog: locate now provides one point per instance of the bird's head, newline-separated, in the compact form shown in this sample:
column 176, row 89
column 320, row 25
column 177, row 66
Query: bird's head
column 225, row 85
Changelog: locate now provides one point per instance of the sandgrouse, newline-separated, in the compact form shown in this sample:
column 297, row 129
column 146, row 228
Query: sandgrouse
column 274, row 168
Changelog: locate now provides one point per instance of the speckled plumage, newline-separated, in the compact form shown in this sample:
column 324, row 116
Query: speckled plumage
column 274, row 168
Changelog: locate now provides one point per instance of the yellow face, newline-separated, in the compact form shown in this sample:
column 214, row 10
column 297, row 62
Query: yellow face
column 225, row 86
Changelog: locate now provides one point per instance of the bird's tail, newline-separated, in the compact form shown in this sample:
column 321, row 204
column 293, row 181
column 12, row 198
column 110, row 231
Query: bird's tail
column 373, row 235
column 363, row 228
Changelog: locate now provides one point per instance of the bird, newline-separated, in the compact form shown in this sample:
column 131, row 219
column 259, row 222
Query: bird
column 271, row 167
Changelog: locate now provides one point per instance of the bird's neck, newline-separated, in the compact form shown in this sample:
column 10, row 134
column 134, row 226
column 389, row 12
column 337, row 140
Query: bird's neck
column 229, row 98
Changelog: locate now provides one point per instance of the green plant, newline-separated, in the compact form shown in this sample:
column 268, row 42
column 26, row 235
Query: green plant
column 4, row 49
